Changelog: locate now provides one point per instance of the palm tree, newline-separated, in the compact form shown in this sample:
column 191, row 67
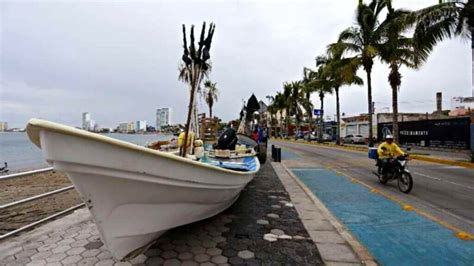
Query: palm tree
column 272, row 109
column 286, row 101
column 297, row 99
column 323, row 85
column 194, row 67
column 210, row 95
column 444, row 20
column 397, row 50
column 308, row 89
column 363, row 40
column 280, row 105
column 343, row 71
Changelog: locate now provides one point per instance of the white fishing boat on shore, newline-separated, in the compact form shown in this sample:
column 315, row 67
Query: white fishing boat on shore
column 135, row 194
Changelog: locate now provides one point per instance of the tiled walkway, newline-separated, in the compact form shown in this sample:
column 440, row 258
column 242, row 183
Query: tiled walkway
column 261, row 228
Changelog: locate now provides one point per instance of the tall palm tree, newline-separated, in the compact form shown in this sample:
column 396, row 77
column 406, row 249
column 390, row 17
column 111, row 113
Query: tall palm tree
column 296, row 100
column 397, row 50
column 286, row 100
column 323, row 85
column 210, row 94
column 271, row 108
column 343, row 71
column 363, row 40
column 308, row 89
column 194, row 67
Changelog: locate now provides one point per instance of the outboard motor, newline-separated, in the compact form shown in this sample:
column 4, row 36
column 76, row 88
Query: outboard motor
column 227, row 140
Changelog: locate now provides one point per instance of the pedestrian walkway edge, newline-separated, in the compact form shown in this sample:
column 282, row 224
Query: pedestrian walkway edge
column 364, row 256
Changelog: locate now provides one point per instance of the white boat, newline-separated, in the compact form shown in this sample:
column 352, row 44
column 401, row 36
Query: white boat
column 134, row 193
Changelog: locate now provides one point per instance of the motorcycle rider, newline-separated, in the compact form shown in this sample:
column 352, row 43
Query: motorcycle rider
column 386, row 151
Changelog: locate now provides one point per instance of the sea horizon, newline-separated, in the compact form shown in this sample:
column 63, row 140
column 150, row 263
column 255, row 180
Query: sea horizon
column 22, row 155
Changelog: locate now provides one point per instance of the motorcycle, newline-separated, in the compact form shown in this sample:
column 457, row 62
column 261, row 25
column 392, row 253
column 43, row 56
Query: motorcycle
column 396, row 169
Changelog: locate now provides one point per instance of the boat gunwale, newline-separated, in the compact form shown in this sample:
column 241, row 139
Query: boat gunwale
column 34, row 126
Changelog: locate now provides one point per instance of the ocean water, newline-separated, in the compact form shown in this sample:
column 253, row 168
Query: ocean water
column 22, row 155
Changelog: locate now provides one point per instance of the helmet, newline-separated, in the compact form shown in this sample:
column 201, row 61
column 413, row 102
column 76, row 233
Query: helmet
column 389, row 137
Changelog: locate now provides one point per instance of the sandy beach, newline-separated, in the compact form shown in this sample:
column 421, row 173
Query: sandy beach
column 27, row 186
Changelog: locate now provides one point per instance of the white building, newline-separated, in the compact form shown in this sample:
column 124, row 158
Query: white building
column 163, row 117
column 131, row 127
column 3, row 126
column 86, row 118
column 462, row 103
column 140, row 126
column 92, row 126
column 88, row 123
column 123, row 127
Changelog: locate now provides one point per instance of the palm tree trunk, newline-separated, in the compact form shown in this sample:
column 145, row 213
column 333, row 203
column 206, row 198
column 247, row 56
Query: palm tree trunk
column 338, row 114
column 369, row 94
column 395, row 113
column 309, row 111
column 210, row 111
column 188, row 122
column 191, row 106
column 395, row 80
column 321, row 124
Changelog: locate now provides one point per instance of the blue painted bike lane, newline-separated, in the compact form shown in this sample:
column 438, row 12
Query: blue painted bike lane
column 392, row 235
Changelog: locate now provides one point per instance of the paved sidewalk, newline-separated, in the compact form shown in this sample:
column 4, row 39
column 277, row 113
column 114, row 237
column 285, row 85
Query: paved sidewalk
column 261, row 228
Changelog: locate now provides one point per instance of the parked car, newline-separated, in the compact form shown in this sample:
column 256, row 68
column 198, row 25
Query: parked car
column 327, row 137
column 353, row 139
column 310, row 136
column 314, row 137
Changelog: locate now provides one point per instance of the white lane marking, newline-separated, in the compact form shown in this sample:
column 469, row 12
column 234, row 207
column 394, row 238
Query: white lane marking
column 452, row 167
column 439, row 179
column 427, row 176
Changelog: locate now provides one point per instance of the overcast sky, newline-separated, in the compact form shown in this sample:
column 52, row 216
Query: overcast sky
column 119, row 61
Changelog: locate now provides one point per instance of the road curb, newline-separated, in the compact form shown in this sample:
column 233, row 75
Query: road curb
column 361, row 149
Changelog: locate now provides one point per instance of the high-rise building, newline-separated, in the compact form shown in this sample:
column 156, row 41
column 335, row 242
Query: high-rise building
column 163, row 117
column 3, row 126
column 140, row 126
column 88, row 123
column 123, row 127
column 86, row 118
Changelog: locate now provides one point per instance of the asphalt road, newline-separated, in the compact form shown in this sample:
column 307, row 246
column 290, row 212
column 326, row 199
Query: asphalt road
column 444, row 192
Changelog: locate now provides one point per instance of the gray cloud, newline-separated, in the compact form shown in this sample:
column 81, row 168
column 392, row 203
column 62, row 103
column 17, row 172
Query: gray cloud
column 119, row 61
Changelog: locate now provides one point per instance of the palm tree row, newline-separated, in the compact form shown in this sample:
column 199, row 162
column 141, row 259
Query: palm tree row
column 387, row 40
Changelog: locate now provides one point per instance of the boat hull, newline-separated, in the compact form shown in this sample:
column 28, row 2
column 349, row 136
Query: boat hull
column 135, row 195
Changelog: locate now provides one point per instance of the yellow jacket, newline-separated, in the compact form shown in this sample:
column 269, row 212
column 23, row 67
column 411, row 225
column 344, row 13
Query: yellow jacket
column 392, row 150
